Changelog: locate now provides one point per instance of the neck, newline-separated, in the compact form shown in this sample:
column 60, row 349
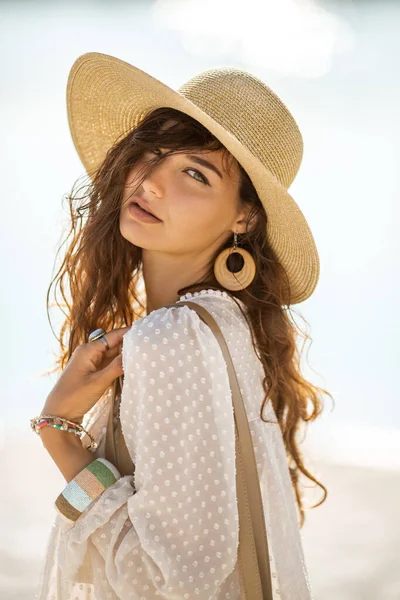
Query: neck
column 165, row 274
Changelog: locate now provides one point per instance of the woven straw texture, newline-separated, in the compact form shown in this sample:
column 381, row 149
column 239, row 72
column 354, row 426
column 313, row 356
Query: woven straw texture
column 108, row 97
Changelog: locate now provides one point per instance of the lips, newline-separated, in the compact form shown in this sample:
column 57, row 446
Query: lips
column 144, row 206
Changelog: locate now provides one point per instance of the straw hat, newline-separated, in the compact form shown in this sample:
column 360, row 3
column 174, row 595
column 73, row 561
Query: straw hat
column 108, row 97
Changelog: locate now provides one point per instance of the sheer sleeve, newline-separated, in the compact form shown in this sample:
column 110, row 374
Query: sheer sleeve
column 171, row 530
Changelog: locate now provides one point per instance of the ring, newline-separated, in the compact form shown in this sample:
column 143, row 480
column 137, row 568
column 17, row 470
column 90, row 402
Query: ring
column 98, row 334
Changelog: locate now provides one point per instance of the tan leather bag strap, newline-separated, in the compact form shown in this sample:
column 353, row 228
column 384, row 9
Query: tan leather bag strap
column 115, row 449
column 110, row 449
column 253, row 554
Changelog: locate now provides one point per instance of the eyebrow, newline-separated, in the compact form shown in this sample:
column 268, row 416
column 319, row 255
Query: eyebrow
column 206, row 163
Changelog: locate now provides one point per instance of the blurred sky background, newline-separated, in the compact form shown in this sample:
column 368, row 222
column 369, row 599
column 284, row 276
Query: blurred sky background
column 336, row 66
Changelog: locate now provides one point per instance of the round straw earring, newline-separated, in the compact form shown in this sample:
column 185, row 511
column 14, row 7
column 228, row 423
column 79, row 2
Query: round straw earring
column 234, row 280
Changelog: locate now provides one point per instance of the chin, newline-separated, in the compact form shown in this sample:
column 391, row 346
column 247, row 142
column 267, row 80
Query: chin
column 133, row 233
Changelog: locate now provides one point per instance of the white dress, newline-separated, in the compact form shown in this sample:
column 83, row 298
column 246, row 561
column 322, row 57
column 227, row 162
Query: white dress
column 171, row 530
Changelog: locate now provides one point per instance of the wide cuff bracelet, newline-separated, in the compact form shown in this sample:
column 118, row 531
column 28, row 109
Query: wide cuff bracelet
column 85, row 488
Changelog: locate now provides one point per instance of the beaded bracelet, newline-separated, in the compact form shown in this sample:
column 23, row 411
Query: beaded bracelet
column 85, row 488
column 64, row 425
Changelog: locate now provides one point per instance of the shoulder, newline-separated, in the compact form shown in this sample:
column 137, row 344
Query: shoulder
column 176, row 328
column 164, row 323
column 182, row 319
column 167, row 332
column 172, row 342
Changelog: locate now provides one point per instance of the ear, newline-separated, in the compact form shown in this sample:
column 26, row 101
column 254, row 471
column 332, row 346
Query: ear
column 242, row 224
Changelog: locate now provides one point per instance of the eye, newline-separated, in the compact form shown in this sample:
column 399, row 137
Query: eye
column 156, row 151
column 202, row 180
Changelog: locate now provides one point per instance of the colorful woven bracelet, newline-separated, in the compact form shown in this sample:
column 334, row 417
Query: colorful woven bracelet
column 63, row 425
column 85, row 488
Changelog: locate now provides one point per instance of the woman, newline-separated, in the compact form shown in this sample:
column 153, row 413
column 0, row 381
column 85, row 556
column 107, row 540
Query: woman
column 211, row 163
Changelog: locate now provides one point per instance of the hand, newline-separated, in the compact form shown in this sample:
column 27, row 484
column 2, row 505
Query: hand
column 89, row 372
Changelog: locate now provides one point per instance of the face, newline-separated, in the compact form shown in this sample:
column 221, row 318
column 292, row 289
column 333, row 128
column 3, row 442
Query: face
column 197, row 207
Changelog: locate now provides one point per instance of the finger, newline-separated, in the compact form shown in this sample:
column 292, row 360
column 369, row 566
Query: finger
column 113, row 339
column 106, row 376
column 106, row 353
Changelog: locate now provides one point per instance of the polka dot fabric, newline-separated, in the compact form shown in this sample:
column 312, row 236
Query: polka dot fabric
column 170, row 531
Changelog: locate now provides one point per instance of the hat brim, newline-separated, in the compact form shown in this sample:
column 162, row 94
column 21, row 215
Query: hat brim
column 108, row 97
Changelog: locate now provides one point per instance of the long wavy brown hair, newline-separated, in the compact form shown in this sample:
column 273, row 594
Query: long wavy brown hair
column 100, row 276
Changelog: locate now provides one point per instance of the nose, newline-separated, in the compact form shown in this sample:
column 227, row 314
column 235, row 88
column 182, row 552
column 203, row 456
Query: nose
column 155, row 181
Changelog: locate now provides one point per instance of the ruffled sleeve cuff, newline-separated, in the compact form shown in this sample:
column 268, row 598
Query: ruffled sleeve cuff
column 86, row 488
